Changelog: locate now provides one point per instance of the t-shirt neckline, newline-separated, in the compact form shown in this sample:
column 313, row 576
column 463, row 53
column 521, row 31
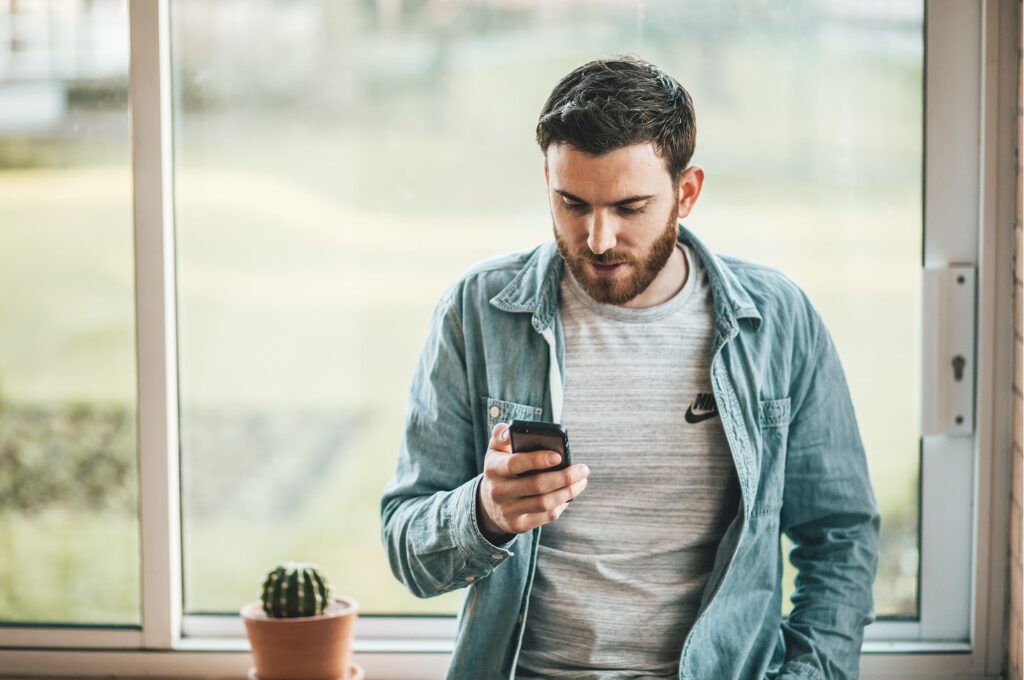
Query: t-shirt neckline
column 641, row 314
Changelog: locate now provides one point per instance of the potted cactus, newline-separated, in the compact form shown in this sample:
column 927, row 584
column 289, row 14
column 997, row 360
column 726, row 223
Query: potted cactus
column 298, row 630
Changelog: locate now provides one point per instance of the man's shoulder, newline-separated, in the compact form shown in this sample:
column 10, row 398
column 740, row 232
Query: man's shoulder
column 506, row 265
column 486, row 278
column 780, row 300
column 764, row 281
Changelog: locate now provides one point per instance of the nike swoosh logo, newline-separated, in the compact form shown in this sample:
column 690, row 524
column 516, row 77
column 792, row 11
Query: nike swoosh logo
column 692, row 417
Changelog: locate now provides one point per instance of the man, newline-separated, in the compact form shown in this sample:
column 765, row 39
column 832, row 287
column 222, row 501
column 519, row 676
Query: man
column 706, row 410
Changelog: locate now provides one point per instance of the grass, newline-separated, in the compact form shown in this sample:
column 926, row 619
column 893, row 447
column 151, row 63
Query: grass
column 67, row 566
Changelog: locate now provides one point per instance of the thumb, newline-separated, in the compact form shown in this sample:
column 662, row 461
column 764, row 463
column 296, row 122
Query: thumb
column 500, row 438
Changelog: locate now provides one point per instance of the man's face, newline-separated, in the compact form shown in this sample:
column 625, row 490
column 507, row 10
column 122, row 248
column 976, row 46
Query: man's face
column 614, row 217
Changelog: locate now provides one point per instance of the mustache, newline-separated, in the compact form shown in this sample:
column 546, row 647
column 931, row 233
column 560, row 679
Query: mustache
column 606, row 259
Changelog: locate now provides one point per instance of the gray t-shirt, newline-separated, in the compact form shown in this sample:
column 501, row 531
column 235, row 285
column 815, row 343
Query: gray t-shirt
column 620, row 574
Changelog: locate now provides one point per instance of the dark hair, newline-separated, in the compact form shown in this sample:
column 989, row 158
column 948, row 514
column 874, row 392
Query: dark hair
column 607, row 104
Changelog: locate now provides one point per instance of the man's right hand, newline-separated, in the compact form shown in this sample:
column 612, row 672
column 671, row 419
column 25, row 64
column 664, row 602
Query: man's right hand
column 507, row 504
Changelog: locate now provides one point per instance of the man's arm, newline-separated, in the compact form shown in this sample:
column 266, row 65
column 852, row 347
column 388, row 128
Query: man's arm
column 429, row 508
column 830, row 513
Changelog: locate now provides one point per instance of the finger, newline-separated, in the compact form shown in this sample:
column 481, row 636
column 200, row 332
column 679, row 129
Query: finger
column 543, row 482
column 548, row 501
column 500, row 440
column 518, row 463
column 536, row 519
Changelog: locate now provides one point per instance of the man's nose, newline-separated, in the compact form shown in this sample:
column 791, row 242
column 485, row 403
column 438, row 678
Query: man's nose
column 602, row 233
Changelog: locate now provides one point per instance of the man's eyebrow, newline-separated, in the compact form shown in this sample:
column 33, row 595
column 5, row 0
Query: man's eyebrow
column 624, row 201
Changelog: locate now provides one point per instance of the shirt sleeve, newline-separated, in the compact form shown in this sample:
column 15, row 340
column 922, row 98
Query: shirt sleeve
column 428, row 509
column 830, row 513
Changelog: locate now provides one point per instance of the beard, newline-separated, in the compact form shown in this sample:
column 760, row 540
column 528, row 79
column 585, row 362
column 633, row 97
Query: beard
column 639, row 272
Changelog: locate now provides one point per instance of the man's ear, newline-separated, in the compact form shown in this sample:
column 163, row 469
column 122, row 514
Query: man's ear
column 690, row 183
column 546, row 181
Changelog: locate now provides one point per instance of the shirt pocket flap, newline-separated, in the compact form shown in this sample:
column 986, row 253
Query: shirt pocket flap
column 501, row 411
column 774, row 412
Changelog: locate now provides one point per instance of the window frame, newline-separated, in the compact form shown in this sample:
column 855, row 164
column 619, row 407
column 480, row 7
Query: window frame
column 969, row 95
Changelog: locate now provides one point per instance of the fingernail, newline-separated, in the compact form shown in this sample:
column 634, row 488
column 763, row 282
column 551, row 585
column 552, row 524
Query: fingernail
column 504, row 434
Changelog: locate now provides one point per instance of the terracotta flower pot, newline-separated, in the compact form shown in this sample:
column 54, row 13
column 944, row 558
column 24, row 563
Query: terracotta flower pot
column 306, row 647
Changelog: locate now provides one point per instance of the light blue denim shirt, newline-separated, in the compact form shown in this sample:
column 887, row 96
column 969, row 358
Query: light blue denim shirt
column 494, row 353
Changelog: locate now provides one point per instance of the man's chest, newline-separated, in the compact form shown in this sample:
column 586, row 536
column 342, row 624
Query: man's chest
column 641, row 413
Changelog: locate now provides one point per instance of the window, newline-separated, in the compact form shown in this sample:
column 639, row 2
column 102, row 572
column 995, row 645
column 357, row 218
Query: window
column 326, row 197
column 322, row 199
column 68, row 466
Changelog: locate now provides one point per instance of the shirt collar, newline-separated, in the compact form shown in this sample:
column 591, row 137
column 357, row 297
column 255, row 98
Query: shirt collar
column 535, row 287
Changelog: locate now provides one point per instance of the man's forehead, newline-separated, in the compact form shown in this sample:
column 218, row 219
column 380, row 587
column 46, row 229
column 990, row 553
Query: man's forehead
column 616, row 175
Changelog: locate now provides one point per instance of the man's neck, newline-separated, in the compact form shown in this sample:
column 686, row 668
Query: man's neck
column 667, row 283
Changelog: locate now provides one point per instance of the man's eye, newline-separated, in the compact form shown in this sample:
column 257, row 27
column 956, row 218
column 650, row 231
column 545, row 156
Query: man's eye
column 582, row 208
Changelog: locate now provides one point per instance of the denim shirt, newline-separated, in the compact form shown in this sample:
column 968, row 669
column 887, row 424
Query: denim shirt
column 494, row 353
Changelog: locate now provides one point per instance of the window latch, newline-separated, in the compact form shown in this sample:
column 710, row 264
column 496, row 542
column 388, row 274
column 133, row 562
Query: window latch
column 947, row 314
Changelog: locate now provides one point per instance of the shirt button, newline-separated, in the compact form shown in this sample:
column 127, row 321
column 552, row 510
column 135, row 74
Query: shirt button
column 519, row 618
column 498, row 556
column 495, row 411
column 469, row 579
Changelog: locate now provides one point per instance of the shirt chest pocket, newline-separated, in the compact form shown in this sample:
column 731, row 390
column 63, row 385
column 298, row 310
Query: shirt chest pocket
column 773, row 419
column 502, row 411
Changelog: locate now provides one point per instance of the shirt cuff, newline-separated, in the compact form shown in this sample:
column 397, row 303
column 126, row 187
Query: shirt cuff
column 467, row 531
column 796, row 670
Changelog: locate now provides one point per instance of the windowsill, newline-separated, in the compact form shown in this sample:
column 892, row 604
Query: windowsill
column 358, row 646
column 870, row 647
column 216, row 658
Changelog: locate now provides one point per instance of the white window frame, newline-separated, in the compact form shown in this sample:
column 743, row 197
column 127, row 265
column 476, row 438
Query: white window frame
column 970, row 95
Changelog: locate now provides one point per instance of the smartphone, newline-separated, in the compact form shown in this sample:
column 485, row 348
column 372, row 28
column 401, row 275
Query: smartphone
column 536, row 435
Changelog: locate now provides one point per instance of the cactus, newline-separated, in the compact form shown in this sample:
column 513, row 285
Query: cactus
column 294, row 589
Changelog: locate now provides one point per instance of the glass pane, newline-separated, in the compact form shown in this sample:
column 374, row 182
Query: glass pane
column 68, row 471
column 327, row 196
